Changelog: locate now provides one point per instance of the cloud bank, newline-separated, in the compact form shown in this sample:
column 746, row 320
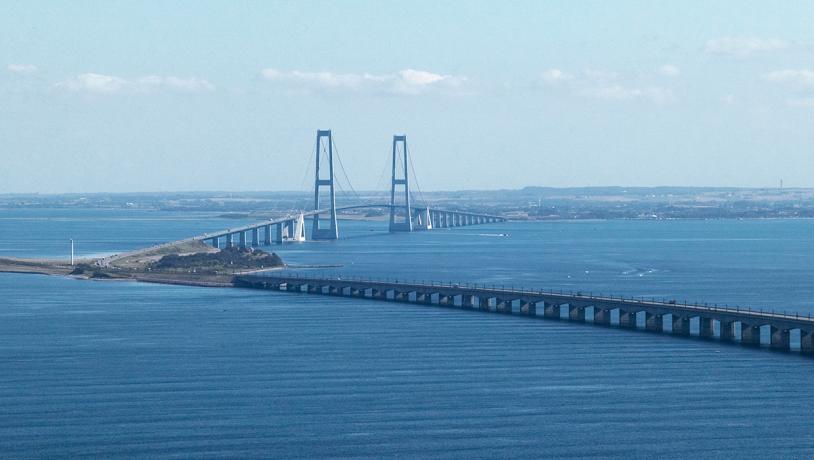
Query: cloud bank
column 743, row 46
column 404, row 82
column 603, row 85
column 22, row 69
column 95, row 83
column 669, row 70
column 796, row 77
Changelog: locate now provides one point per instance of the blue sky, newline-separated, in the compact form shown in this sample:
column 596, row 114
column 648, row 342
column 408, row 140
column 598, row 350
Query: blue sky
column 163, row 96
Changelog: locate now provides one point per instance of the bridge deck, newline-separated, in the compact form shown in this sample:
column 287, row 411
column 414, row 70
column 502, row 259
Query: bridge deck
column 288, row 218
column 750, row 320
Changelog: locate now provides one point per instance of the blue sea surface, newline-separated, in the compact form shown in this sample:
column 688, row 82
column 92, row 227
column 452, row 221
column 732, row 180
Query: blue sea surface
column 121, row 369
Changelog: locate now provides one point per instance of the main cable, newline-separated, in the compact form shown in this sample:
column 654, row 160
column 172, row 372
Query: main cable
column 344, row 172
column 415, row 176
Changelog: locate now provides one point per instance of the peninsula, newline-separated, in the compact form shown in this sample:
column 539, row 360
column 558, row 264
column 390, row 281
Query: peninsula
column 189, row 263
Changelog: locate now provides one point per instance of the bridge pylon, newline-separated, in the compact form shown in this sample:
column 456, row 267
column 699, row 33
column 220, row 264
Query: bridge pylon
column 331, row 232
column 400, row 218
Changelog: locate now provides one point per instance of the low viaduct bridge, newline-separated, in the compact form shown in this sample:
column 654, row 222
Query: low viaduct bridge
column 292, row 228
column 404, row 217
column 734, row 325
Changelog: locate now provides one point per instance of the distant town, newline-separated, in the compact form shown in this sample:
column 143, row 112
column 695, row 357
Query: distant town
column 529, row 203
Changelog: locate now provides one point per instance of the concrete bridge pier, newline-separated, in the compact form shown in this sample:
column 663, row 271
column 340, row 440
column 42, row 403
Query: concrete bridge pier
column 379, row 294
column 681, row 325
column 780, row 338
column 627, row 319
column 241, row 239
column 215, row 242
column 726, row 332
column 576, row 313
column 503, row 305
column 229, row 243
column 806, row 342
column 267, row 233
column 706, row 327
column 551, row 310
column 467, row 301
column 314, row 288
column 528, row 308
column 654, row 323
column 750, row 334
column 279, row 233
column 446, row 300
column 255, row 237
column 602, row 316
column 425, row 219
column 483, row 303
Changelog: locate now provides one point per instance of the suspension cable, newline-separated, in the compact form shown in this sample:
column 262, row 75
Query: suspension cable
column 311, row 161
column 345, row 173
column 415, row 178
column 380, row 182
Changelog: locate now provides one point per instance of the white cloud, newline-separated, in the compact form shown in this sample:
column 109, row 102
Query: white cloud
column 421, row 77
column 182, row 84
column 322, row 79
column 94, row 83
column 407, row 81
column 110, row 84
column 23, row 69
column 800, row 102
column 728, row 99
column 621, row 93
column 609, row 86
column 669, row 70
column 800, row 77
column 600, row 75
column 743, row 46
column 554, row 76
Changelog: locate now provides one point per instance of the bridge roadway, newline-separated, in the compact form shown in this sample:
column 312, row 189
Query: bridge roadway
column 286, row 228
column 426, row 219
column 712, row 322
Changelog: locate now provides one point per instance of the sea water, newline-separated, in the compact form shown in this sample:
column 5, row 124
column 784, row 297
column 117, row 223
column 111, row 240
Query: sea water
column 122, row 369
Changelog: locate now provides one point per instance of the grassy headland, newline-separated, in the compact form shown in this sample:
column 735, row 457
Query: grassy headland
column 190, row 263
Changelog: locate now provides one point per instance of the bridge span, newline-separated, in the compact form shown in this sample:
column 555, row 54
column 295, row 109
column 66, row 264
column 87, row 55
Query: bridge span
column 292, row 227
column 735, row 325
column 404, row 216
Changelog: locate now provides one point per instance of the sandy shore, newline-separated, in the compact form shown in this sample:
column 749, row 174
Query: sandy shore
column 39, row 266
column 63, row 268
column 133, row 266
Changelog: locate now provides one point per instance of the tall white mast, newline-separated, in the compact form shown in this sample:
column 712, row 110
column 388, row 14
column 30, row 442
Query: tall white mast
column 72, row 252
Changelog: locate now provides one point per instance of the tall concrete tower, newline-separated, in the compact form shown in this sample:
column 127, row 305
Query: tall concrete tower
column 401, row 220
column 331, row 232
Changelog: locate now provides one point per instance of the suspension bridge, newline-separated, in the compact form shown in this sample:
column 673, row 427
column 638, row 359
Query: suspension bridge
column 405, row 216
